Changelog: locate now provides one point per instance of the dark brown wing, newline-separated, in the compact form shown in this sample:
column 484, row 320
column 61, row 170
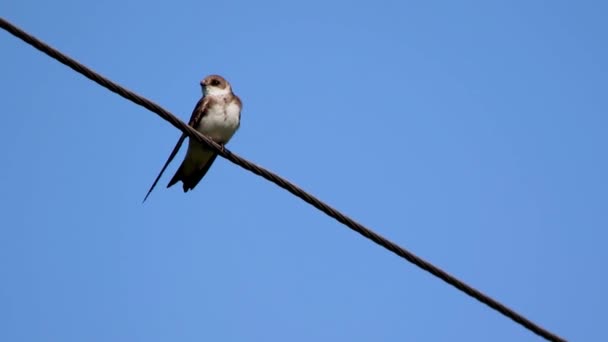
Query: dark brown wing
column 189, row 181
column 240, row 104
column 198, row 112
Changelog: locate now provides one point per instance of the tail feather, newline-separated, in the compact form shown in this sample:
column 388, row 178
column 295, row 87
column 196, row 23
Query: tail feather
column 177, row 176
column 173, row 153
column 189, row 181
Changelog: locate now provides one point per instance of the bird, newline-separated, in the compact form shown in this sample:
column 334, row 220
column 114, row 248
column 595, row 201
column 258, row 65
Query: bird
column 216, row 115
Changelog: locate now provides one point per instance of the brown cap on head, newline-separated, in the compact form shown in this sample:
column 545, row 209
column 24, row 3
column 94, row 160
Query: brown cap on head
column 214, row 81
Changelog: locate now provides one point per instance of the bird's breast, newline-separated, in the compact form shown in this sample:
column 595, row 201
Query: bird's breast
column 220, row 122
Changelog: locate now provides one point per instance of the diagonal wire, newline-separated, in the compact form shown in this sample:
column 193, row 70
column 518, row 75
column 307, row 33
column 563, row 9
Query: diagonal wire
column 274, row 178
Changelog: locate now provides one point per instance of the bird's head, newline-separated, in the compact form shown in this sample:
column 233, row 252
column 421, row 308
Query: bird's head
column 214, row 85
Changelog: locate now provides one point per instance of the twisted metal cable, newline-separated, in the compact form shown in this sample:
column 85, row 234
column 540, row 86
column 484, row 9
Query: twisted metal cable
column 274, row 178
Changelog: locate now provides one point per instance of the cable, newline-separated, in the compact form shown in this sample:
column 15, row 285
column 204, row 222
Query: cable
column 274, row 178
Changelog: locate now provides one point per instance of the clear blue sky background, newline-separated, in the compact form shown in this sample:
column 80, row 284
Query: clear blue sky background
column 473, row 133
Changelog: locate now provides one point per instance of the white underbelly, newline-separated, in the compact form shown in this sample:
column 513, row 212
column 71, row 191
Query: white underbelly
column 220, row 123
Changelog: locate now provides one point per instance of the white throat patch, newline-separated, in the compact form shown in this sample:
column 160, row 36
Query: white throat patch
column 215, row 91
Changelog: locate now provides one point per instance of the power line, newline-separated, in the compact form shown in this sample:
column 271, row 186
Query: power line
column 274, row 178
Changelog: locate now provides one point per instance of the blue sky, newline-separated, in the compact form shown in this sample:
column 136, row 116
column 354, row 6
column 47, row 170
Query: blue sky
column 472, row 133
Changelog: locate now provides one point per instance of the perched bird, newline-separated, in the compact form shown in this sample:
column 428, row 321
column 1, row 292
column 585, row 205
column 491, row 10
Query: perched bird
column 217, row 115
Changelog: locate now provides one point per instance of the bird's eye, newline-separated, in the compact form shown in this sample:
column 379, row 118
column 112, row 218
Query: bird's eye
column 215, row 83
